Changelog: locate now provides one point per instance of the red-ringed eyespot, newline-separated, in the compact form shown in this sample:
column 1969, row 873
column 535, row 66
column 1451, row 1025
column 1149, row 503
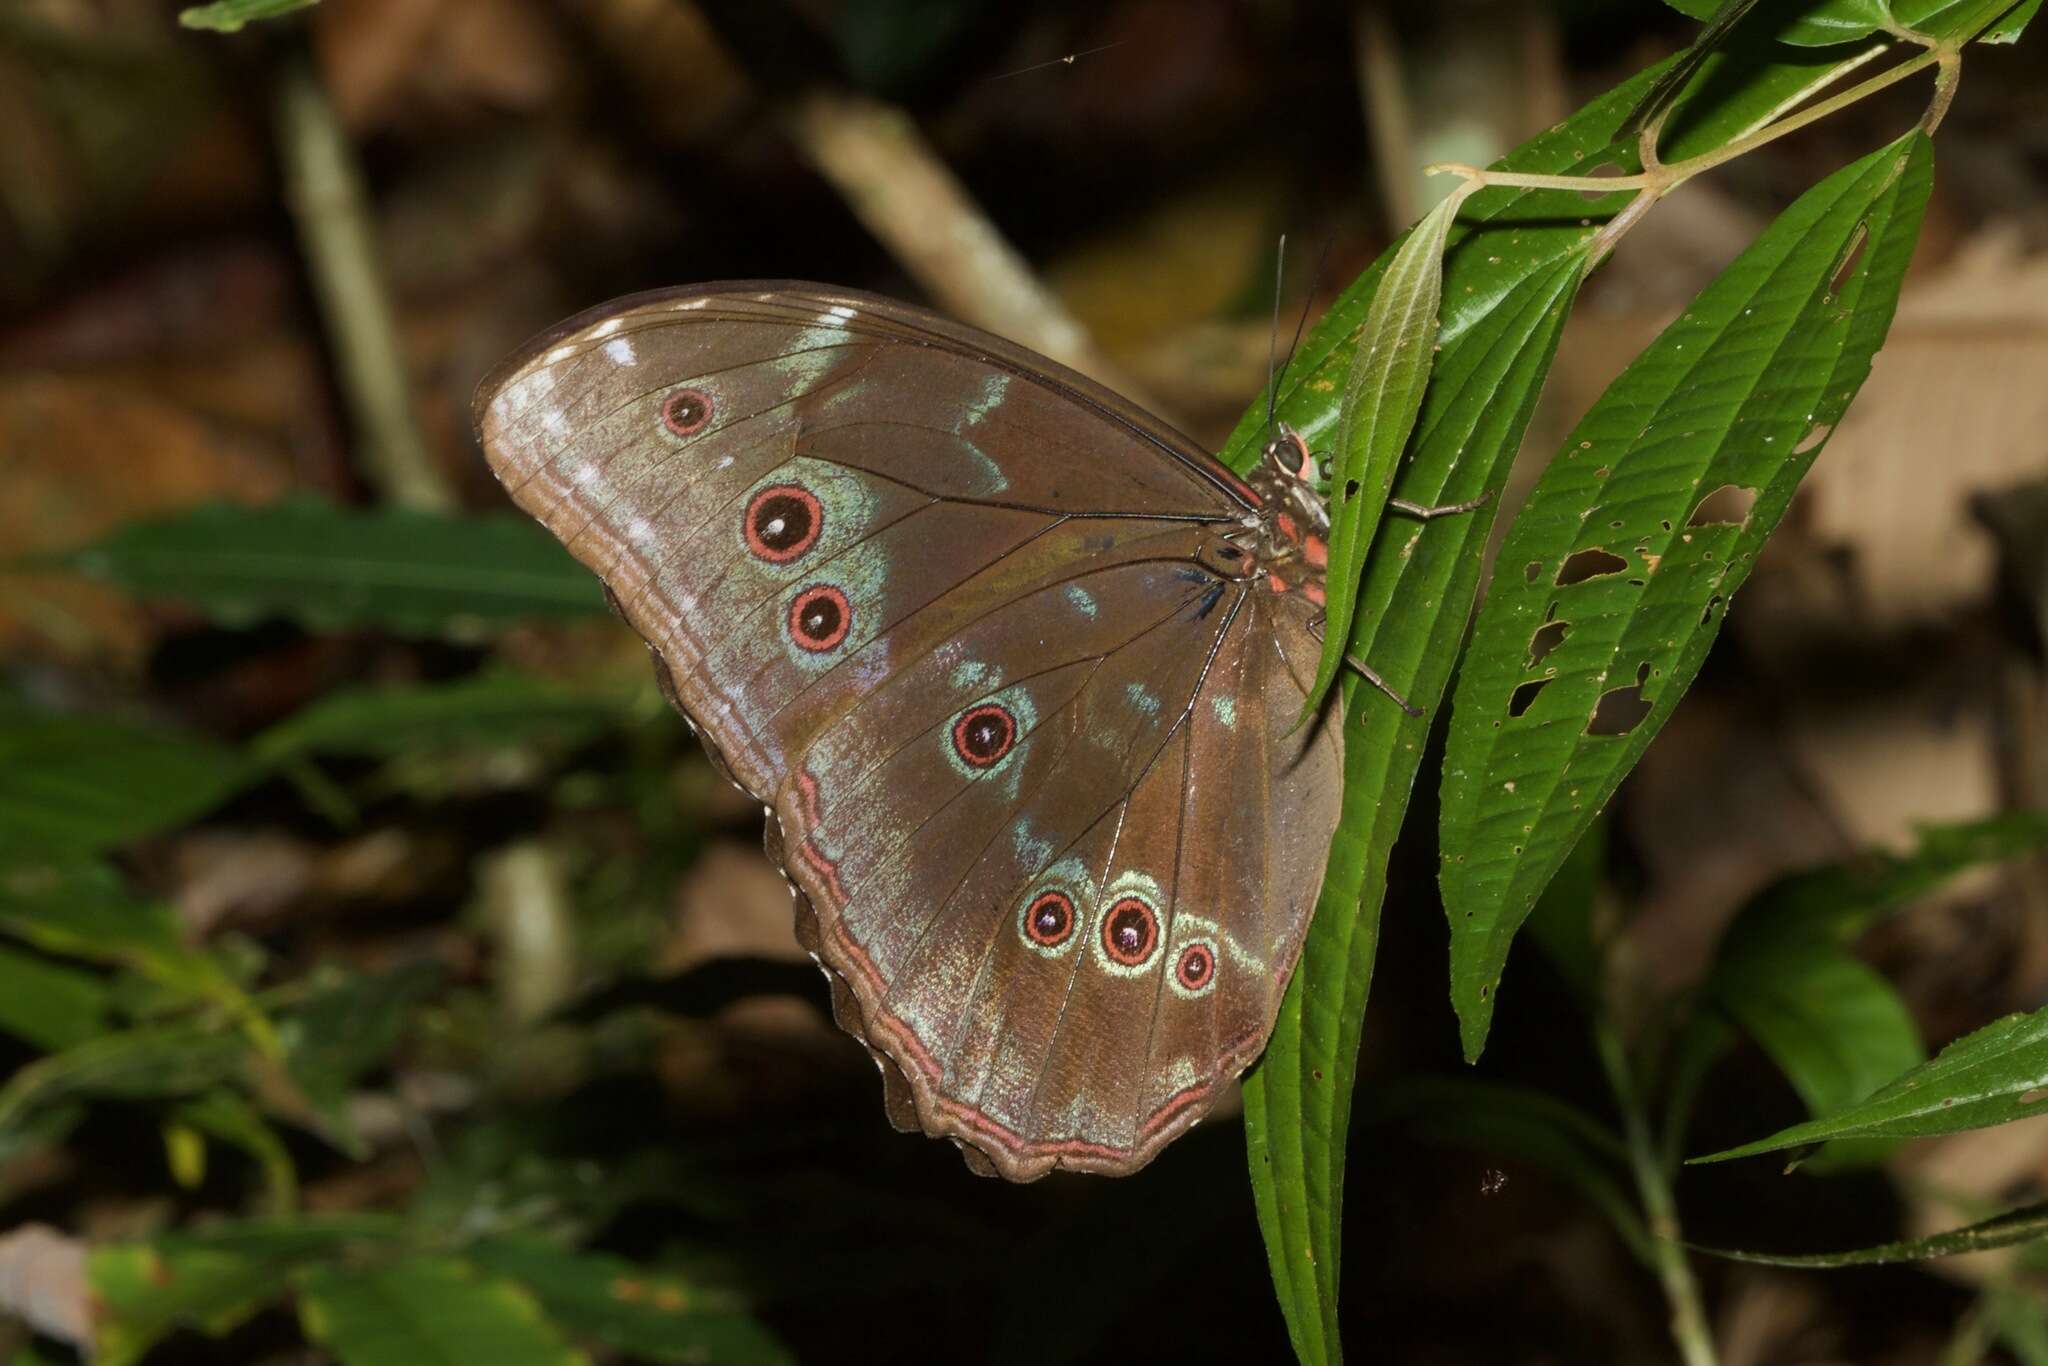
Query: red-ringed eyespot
column 1049, row 919
column 1196, row 967
column 783, row 521
column 686, row 411
column 984, row 734
column 1129, row 932
column 819, row 617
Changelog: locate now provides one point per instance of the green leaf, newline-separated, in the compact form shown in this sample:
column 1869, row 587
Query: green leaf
column 1835, row 1028
column 1839, row 902
column 427, row 1311
column 1380, row 405
column 48, row 1004
column 652, row 1315
column 82, row 784
column 330, row 567
column 1845, row 21
column 2020, row 1313
column 1524, row 1126
column 210, row 1282
column 84, row 910
column 345, row 1030
column 1620, row 543
column 491, row 710
column 2008, row 29
column 1998, row 1074
column 2026, row 1225
column 1512, row 269
column 150, row 1062
column 1562, row 922
column 228, row 16
column 226, row 1116
column 1679, row 73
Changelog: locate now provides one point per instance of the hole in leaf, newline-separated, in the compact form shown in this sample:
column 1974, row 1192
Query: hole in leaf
column 1621, row 710
column 2033, row 1097
column 1852, row 256
column 1535, row 568
column 1350, row 489
column 1581, row 565
column 1547, row 638
column 1813, row 438
column 1727, row 505
column 1525, row 696
column 1712, row 603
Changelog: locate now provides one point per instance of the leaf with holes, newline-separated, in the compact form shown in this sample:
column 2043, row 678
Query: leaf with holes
column 1996, row 1075
column 1619, row 566
column 2028, row 1225
column 427, row 1311
column 1380, row 405
column 330, row 567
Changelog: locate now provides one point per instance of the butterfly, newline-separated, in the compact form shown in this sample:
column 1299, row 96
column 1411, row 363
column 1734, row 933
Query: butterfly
column 1014, row 668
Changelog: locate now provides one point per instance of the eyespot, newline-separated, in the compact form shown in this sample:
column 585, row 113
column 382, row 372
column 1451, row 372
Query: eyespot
column 1195, row 969
column 1130, row 931
column 984, row 734
column 782, row 522
column 1049, row 919
column 819, row 618
column 686, row 411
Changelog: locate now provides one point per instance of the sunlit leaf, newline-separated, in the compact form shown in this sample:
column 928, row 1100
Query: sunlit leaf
column 228, row 16
column 427, row 1311
column 211, row 1282
column 651, row 1315
column 1829, row 22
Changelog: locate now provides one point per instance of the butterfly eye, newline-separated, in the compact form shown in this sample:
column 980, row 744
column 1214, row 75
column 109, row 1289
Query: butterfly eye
column 1129, row 932
column 686, row 411
column 1196, row 968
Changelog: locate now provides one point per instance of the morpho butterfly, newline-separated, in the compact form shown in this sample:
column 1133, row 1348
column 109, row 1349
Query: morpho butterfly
column 1013, row 667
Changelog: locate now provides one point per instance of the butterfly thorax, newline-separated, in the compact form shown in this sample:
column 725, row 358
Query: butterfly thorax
column 1288, row 536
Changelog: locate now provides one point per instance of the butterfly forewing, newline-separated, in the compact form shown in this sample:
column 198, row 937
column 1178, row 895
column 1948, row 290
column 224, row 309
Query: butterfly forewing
column 958, row 618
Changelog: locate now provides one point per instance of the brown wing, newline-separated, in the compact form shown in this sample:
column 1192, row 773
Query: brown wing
column 951, row 612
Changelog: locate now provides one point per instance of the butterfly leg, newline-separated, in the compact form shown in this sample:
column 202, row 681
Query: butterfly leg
column 1422, row 513
column 1366, row 672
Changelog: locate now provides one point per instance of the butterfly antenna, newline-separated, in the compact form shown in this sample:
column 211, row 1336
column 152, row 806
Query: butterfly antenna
column 1315, row 281
column 1273, row 336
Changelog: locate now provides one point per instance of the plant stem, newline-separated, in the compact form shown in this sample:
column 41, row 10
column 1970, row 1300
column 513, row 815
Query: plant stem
column 1660, row 1211
column 324, row 191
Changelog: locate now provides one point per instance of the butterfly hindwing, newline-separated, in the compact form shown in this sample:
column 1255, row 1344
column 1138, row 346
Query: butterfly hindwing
column 957, row 617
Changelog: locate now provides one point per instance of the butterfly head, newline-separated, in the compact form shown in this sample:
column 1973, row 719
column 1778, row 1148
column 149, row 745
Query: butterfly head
column 1290, row 531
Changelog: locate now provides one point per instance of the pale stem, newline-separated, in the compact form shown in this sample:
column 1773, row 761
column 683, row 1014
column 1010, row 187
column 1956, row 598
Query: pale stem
column 1660, row 1211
